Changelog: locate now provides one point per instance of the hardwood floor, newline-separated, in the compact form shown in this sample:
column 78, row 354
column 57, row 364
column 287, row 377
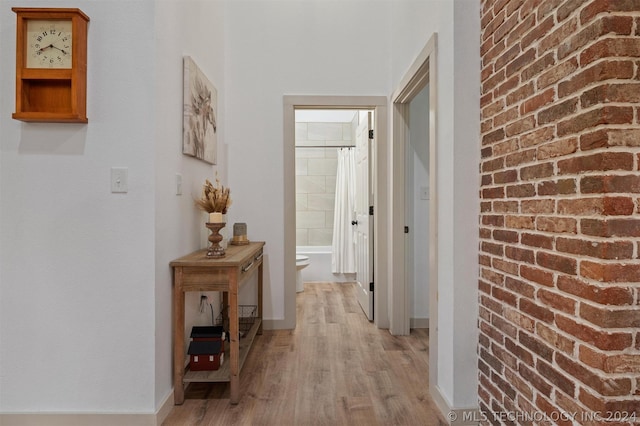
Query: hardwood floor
column 335, row 368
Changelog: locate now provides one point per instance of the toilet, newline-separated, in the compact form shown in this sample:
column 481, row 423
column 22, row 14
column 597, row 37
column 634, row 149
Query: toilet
column 302, row 262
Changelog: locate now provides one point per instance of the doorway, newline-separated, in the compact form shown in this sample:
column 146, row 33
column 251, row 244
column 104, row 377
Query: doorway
column 377, row 104
column 420, row 74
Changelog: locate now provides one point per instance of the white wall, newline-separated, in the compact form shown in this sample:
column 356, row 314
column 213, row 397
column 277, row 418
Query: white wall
column 85, row 306
column 77, row 306
column 278, row 48
column 418, row 208
column 457, row 23
column 196, row 29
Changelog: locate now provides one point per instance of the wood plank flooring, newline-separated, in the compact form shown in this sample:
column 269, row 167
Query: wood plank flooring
column 335, row 368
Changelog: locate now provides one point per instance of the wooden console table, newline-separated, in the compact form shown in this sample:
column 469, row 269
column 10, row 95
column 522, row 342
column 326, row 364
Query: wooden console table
column 197, row 272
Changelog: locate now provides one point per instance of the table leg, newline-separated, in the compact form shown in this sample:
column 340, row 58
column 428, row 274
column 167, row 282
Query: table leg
column 260, row 316
column 178, row 338
column 234, row 351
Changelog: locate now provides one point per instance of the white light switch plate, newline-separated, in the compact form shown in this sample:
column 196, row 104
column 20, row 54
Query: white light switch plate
column 119, row 179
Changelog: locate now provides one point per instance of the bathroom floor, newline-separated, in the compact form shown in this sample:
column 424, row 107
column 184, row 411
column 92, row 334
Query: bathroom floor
column 335, row 368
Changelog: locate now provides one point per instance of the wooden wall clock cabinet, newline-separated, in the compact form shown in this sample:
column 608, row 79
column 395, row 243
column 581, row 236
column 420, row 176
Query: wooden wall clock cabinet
column 51, row 65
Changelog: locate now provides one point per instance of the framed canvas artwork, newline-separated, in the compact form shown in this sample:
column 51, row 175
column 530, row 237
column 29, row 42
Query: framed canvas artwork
column 200, row 112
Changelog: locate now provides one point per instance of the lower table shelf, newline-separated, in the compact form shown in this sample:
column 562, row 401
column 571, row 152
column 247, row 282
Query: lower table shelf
column 223, row 374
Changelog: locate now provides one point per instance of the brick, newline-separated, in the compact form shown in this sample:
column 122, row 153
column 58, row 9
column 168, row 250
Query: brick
column 537, row 240
column 493, row 193
column 493, row 220
column 506, row 26
column 536, row 171
column 610, row 272
column 504, row 266
column 505, row 235
column 603, row 161
column 537, row 101
column 505, row 327
column 556, row 224
column 521, row 191
column 538, row 206
column 622, row 364
column 492, row 276
column 602, row 385
column 610, row 184
column 508, row 176
column 567, row 8
column 520, row 94
column 610, row 318
column 521, row 157
column 503, row 385
column 525, row 58
column 617, row 206
column 610, row 93
column 491, row 360
column 554, row 338
column 561, row 186
column 559, row 35
column 558, row 148
column 495, row 249
column 505, row 147
column 505, row 117
column 558, row 111
column 581, row 206
column 507, row 86
column 507, row 56
column 505, row 296
column 596, row 7
column 602, row 115
column 519, row 222
column 604, row 295
column 520, row 320
column 536, row 346
column 537, row 275
column 491, row 83
column 519, row 287
column 538, row 66
column 620, row 25
column 607, row 341
column 541, row 313
column 496, row 135
column 557, row 301
column 557, row 73
column 561, row 381
column 492, row 165
column 610, row 47
column 540, row 30
column 521, row 126
column 519, row 31
column 599, row 249
column 609, row 138
column 520, row 254
column 523, row 388
column 563, row 264
column 539, row 136
column 610, row 227
column 601, row 71
column 505, row 207
column 534, row 379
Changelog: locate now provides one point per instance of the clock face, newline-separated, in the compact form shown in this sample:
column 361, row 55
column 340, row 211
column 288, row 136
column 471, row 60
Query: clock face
column 48, row 43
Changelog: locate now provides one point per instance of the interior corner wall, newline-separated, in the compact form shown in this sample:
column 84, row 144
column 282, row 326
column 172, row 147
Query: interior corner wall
column 457, row 26
column 77, row 266
column 278, row 48
column 179, row 230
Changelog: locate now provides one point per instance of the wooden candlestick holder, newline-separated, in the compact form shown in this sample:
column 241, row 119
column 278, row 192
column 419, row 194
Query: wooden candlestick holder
column 215, row 250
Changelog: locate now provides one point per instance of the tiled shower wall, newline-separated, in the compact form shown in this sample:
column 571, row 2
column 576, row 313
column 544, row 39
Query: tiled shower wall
column 316, row 179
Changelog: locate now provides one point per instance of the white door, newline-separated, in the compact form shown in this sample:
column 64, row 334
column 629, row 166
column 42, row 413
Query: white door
column 363, row 223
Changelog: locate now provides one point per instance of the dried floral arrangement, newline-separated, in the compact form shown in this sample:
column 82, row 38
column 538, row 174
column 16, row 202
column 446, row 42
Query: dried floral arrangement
column 214, row 199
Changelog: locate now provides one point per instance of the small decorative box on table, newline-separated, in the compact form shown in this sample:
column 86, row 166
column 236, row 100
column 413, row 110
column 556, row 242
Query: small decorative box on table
column 197, row 272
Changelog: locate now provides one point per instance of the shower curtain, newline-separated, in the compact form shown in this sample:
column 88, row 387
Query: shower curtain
column 343, row 258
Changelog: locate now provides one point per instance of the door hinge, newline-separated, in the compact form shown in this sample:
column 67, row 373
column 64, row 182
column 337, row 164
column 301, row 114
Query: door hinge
column 371, row 134
column 370, row 210
column 371, row 286
column 406, row 229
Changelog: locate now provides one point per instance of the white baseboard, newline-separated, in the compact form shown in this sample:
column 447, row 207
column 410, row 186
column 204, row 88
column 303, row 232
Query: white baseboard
column 89, row 419
column 419, row 322
column 454, row 416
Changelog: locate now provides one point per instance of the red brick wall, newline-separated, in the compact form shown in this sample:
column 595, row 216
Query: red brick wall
column 560, row 209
